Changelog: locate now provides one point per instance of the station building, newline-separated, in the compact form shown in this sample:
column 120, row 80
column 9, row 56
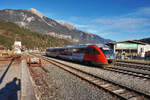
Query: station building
column 130, row 49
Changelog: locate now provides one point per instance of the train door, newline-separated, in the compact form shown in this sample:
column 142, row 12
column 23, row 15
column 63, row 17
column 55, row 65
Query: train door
column 69, row 53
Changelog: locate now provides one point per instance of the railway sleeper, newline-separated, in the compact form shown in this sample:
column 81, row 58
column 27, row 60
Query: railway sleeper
column 100, row 83
column 96, row 81
column 119, row 91
column 106, row 85
column 112, row 88
column 136, row 98
column 127, row 94
column 133, row 66
column 90, row 78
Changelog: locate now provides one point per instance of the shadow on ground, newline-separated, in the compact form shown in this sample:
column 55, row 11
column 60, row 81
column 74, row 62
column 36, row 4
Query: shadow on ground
column 1, row 79
column 9, row 92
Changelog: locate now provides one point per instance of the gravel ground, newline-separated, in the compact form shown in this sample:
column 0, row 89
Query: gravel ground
column 142, row 85
column 42, row 85
column 61, row 85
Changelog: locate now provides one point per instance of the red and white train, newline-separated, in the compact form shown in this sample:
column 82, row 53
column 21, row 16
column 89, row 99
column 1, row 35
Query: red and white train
column 88, row 53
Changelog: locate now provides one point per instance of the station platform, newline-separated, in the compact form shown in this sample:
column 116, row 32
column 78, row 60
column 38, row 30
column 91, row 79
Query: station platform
column 15, row 82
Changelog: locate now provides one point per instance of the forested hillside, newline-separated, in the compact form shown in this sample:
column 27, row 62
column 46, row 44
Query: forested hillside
column 9, row 32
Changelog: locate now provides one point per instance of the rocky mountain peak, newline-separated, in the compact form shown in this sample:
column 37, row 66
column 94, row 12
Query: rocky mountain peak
column 34, row 11
column 87, row 32
column 69, row 26
column 35, row 21
column 8, row 10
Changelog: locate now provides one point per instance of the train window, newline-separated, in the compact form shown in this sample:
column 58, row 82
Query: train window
column 61, row 51
column 96, row 52
column 82, row 50
column 79, row 50
column 107, row 51
column 88, row 51
column 47, row 50
column 53, row 51
column 66, row 52
column 92, row 51
column 75, row 50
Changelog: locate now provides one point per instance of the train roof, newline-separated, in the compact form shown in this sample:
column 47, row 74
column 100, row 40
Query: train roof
column 69, row 47
column 79, row 46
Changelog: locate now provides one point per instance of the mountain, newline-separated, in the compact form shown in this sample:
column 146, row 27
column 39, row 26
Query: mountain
column 9, row 32
column 35, row 21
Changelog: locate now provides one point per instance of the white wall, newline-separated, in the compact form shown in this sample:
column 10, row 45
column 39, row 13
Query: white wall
column 145, row 48
column 17, row 43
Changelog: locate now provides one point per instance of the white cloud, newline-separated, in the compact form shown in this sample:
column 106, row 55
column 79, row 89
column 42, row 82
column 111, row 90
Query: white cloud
column 74, row 18
column 123, row 23
column 81, row 26
column 136, row 22
column 92, row 30
column 132, row 22
column 140, row 12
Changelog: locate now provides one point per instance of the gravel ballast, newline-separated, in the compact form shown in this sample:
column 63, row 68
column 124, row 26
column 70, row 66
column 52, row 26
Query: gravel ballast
column 65, row 86
column 136, row 83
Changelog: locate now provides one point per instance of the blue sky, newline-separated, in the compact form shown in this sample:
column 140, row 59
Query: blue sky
column 112, row 19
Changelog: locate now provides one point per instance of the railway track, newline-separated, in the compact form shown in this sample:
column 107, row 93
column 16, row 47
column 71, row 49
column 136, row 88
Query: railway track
column 39, row 79
column 120, row 65
column 129, row 72
column 135, row 62
column 122, row 92
column 140, row 66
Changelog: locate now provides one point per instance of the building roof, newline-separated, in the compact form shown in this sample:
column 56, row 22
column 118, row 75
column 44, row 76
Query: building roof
column 129, row 41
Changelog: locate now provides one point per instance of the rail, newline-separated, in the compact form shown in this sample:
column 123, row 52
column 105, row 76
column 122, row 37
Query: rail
column 122, row 92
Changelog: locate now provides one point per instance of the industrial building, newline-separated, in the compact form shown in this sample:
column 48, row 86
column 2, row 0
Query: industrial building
column 129, row 49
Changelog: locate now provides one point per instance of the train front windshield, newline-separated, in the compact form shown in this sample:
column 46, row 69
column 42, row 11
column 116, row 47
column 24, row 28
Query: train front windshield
column 109, row 54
